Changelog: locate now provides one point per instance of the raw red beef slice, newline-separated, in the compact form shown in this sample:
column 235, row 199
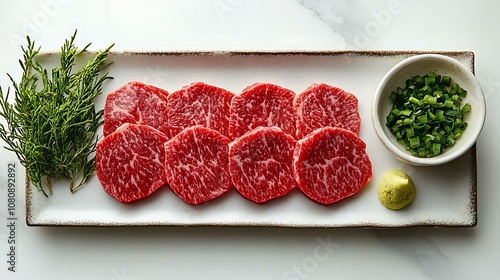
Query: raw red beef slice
column 130, row 162
column 262, row 104
column 323, row 105
column 331, row 164
column 261, row 164
column 136, row 103
column 197, row 164
column 199, row 104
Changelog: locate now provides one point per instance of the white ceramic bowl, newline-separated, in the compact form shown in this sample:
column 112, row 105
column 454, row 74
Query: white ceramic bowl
column 421, row 65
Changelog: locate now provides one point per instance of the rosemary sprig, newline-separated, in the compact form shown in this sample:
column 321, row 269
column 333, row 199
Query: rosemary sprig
column 52, row 124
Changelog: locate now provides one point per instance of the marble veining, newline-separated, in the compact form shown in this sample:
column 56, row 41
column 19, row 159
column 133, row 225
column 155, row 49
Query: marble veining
column 358, row 22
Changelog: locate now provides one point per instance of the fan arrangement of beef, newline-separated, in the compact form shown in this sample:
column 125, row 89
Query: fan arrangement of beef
column 202, row 140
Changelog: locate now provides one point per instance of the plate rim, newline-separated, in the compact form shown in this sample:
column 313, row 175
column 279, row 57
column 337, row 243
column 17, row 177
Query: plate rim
column 29, row 190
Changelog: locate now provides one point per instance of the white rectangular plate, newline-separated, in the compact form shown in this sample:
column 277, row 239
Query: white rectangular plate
column 446, row 195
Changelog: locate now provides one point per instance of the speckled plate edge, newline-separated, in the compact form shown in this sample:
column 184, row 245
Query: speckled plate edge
column 373, row 53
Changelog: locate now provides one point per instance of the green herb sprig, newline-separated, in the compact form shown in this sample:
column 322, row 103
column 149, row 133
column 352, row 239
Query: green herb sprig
column 52, row 123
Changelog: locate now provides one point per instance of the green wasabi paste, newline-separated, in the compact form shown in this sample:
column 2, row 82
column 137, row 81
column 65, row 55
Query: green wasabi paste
column 396, row 189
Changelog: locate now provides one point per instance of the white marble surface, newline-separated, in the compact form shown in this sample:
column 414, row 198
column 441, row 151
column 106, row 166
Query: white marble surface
column 262, row 253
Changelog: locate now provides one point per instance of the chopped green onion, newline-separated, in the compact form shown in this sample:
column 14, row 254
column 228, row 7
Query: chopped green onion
column 414, row 142
column 427, row 116
column 405, row 113
column 454, row 88
column 465, row 109
column 430, row 100
column 422, row 119
column 436, row 149
column 446, row 81
column 448, row 103
column 461, row 92
column 439, row 115
column 429, row 80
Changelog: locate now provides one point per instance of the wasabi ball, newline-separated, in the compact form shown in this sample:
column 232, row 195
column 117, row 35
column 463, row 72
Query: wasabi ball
column 396, row 189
